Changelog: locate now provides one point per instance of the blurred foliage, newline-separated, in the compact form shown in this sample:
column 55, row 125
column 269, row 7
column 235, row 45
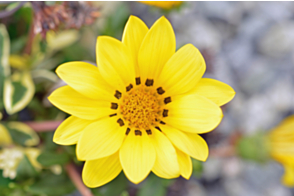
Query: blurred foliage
column 254, row 148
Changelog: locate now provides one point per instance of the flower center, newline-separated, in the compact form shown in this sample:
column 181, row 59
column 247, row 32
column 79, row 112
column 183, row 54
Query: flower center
column 141, row 108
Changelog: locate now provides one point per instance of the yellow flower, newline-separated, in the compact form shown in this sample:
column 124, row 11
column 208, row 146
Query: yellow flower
column 142, row 109
column 163, row 4
column 281, row 140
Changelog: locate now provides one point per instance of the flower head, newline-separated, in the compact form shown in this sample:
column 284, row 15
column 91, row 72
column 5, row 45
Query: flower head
column 163, row 4
column 281, row 140
column 142, row 108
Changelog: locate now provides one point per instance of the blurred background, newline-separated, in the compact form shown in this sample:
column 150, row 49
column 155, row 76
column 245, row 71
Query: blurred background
column 248, row 45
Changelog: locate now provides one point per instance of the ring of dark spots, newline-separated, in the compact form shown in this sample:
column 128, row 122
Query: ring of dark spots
column 149, row 82
column 128, row 131
column 117, row 94
column 165, row 113
column 158, row 129
column 161, row 122
column 114, row 106
column 111, row 115
column 160, row 90
column 149, row 132
column 120, row 122
column 167, row 100
column 138, row 132
column 138, row 81
column 128, row 88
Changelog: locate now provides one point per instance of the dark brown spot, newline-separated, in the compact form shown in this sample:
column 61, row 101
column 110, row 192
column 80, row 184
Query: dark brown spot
column 167, row 100
column 138, row 132
column 138, row 81
column 165, row 113
column 114, row 106
column 128, row 88
column 111, row 115
column 158, row 129
column 149, row 82
column 148, row 132
column 160, row 90
column 117, row 94
column 128, row 131
column 161, row 122
column 120, row 122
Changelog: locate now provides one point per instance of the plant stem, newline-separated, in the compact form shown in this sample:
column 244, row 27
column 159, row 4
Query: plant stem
column 76, row 179
column 43, row 126
column 223, row 151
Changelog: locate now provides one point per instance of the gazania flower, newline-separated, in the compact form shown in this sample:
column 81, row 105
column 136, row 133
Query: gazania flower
column 142, row 108
column 163, row 4
column 282, row 148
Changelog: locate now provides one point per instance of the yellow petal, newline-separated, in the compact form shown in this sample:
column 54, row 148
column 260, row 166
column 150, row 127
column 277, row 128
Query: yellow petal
column 5, row 136
column 69, row 131
column 74, row 103
column 134, row 33
column 137, row 156
column 182, row 71
column 185, row 163
column 190, row 143
column 284, row 158
column 157, row 47
column 163, row 4
column 288, row 177
column 166, row 164
column 86, row 79
column 284, row 129
column 115, row 62
column 193, row 113
column 100, row 139
column 101, row 171
column 214, row 90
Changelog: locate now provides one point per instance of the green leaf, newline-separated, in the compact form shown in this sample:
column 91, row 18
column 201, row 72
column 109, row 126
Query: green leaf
column 62, row 39
column 25, row 169
column 154, row 186
column 48, row 159
column 52, row 185
column 197, row 168
column 255, row 148
column 19, row 90
column 40, row 75
column 4, row 181
column 22, row 134
column 116, row 21
column 4, row 59
column 115, row 187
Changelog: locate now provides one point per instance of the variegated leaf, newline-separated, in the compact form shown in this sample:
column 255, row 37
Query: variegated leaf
column 19, row 90
column 4, row 59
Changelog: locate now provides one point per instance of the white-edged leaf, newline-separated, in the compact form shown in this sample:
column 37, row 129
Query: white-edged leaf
column 19, row 90
column 43, row 74
column 4, row 59
column 23, row 134
column 60, row 40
